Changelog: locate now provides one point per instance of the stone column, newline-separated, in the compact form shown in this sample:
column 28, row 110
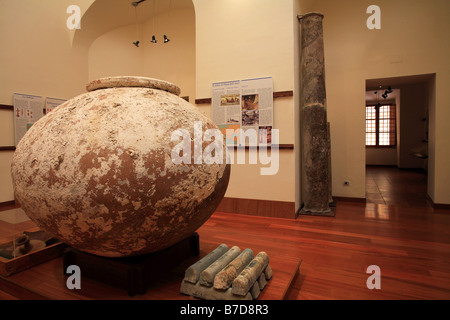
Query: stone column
column 314, row 118
column 330, row 184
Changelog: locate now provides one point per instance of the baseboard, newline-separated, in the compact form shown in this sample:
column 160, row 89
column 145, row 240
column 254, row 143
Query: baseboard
column 11, row 203
column 349, row 199
column 255, row 207
column 438, row 205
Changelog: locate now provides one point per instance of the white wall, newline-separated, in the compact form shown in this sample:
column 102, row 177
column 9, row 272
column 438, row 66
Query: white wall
column 250, row 39
column 413, row 111
column 36, row 57
column 412, row 41
column 238, row 39
column 113, row 54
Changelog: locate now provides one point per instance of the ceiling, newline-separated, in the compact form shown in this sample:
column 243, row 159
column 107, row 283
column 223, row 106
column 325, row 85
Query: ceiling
column 373, row 84
column 105, row 15
column 372, row 97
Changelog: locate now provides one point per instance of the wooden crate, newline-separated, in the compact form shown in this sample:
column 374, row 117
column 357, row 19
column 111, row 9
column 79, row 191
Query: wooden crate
column 14, row 265
column 10, row 229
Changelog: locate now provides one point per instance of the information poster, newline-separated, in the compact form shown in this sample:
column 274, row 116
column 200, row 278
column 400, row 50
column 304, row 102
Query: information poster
column 28, row 109
column 247, row 105
column 52, row 103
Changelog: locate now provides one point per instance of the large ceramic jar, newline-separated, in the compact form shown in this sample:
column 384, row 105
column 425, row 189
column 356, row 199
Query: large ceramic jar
column 97, row 172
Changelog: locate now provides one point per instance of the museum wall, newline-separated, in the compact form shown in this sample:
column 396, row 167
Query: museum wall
column 244, row 40
column 99, row 50
column 37, row 58
column 381, row 156
column 412, row 41
column 113, row 53
column 43, row 57
column 413, row 111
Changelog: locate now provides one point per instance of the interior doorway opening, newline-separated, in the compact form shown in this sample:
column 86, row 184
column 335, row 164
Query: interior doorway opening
column 398, row 125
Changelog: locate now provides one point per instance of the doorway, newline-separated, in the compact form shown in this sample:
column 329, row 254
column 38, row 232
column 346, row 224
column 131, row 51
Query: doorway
column 398, row 115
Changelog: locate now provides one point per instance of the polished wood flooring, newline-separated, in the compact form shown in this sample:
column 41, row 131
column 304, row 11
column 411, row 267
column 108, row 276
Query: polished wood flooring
column 397, row 230
column 410, row 242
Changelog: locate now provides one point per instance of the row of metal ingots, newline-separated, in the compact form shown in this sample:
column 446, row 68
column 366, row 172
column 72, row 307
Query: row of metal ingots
column 227, row 274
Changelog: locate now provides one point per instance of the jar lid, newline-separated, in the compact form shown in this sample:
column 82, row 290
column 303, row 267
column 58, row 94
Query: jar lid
column 128, row 81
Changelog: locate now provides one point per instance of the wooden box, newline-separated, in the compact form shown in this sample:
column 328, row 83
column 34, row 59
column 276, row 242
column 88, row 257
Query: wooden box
column 13, row 223
column 14, row 265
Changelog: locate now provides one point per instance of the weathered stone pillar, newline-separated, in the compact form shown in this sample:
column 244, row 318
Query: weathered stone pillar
column 314, row 118
column 330, row 184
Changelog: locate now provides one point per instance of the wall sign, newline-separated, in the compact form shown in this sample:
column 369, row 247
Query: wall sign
column 244, row 107
column 28, row 109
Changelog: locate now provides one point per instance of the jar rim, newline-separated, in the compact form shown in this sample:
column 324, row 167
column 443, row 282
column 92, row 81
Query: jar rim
column 132, row 81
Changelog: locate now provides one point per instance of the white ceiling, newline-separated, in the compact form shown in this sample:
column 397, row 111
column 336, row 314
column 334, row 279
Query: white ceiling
column 371, row 97
column 373, row 84
column 106, row 15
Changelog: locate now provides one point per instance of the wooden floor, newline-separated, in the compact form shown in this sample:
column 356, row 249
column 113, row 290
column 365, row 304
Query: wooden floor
column 405, row 237
column 396, row 229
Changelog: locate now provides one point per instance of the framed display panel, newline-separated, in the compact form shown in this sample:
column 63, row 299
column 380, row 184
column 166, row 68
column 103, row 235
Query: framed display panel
column 23, row 244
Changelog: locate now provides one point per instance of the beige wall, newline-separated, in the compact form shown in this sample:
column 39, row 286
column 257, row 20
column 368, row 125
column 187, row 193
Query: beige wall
column 43, row 57
column 113, row 53
column 252, row 43
column 413, row 111
column 36, row 58
column 250, row 39
column 412, row 41
column 241, row 40
column 432, row 138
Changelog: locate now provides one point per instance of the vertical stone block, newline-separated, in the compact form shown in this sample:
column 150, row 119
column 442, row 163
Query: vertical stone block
column 262, row 281
column 330, row 184
column 268, row 272
column 255, row 290
column 314, row 117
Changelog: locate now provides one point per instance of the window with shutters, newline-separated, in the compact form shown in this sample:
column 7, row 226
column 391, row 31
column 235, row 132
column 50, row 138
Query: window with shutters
column 380, row 126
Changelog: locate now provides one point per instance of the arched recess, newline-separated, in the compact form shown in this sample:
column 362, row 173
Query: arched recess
column 108, row 30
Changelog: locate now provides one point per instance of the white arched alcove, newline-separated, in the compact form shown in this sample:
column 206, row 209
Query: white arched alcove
column 108, row 30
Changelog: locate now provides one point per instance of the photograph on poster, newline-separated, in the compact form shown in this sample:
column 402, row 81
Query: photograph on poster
column 250, row 102
column 265, row 134
column 229, row 100
column 250, row 118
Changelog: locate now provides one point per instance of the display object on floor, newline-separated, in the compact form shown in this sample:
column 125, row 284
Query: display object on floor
column 227, row 274
column 98, row 172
